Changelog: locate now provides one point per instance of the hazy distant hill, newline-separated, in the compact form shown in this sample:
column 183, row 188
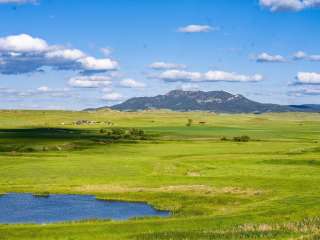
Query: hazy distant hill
column 215, row 101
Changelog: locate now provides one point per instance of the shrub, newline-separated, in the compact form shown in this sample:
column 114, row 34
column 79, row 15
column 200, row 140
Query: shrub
column 224, row 138
column 136, row 132
column 103, row 130
column 189, row 123
column 243, row 138
column 119, row 133
column 29, row 149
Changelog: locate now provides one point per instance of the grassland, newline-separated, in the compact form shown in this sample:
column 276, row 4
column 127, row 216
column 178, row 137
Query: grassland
column 267, row 188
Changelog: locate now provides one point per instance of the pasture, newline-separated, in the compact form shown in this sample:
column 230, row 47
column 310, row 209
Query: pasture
column 216, row 187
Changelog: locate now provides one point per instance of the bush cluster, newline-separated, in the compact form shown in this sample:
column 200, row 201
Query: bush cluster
column 243, row 138
column 123, row 133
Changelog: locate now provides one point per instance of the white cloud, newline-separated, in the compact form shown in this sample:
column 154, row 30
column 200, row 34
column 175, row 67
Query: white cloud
column 308, row 78
column 289, row 5
column 68, row 54
column 265, row 57
column 112, row 97
column 131, row 83
column 300, row 55
column 165, row 65
column 22, row 43
column 18, row 1
column 193, row 28
column 91, row 63
column 231, row 77
column 305, row 91
column 178, row 75
column 210, row 76
column 24, row 54
column 90, row 81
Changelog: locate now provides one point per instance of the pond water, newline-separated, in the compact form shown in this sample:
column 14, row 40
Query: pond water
column 26, row 208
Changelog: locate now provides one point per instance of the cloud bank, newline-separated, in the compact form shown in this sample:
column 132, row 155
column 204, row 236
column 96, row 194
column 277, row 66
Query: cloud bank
column 210, row 76
column 26, row 54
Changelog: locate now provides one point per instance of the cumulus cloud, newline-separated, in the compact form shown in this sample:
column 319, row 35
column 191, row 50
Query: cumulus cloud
column 210, row 76
column 112, row 97
column 22, row 43
column 90, row 81
column 193, row 28
column 265, row 57
column 25, row 54
column 300, row 55
column 17, row 1
column 131, row 83
column 308, row 78
column 289, row 5
column 92, row 64
column 165, row 65
column 178, row 75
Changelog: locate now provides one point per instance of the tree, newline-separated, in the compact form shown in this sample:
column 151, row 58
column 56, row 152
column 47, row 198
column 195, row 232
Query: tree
column 189, row 123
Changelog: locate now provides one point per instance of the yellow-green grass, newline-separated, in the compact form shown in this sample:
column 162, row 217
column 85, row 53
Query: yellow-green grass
column 267, row 188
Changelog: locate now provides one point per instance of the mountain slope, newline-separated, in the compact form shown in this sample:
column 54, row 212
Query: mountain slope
column 214, row 101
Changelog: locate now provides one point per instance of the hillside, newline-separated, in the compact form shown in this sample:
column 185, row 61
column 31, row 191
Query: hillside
column 214, row 101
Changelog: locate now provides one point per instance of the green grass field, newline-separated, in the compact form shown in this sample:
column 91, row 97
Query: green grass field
column 267, row 188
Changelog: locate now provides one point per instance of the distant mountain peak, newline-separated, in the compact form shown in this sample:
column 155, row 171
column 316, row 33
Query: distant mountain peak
column 213, row 101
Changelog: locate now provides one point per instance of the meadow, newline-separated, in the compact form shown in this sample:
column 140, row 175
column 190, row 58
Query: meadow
column 215, row 186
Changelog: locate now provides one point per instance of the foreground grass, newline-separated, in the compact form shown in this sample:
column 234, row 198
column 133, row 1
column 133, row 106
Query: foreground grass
column 267, row 188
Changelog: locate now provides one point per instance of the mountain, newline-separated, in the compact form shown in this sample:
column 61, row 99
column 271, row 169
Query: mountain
column 214, row 101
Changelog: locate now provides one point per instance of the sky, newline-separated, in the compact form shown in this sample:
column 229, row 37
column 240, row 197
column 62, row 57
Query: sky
column 73, row 54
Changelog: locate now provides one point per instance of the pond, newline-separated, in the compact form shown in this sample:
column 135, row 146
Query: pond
column 27, row 208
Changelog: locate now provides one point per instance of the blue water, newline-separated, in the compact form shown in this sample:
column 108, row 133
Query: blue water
column 26, row 208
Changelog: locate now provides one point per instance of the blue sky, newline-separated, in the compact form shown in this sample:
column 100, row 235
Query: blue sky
column 74, row 54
